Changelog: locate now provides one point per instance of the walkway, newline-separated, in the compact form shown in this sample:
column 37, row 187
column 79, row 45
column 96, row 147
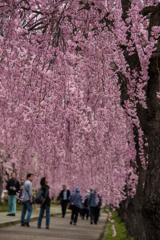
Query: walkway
column 60, row 229
column 55, row 209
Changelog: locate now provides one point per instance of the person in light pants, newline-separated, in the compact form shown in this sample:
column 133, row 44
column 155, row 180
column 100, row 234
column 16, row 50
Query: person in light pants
column 13, row 187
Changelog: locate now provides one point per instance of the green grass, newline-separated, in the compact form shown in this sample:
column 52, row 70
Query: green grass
column 7, row 225
column 121, row 231
column 53, row 202
column 4, row 207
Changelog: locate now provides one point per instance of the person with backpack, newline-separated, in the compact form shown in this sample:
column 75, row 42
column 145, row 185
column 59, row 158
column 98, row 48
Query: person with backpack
column 85, row 209
column 13, row 187
column 76, row 205
column 27, row 200
column 45, row 205
column 94, row 208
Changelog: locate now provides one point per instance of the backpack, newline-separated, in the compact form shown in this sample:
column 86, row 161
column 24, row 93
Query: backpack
column 38, row 198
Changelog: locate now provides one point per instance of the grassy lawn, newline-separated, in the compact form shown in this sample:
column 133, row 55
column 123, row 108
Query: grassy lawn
column 121, row 232
column 4, row 207
column 53, row 203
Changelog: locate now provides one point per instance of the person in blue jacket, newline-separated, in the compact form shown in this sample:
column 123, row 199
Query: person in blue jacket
column 94, row 208
column 76, row 205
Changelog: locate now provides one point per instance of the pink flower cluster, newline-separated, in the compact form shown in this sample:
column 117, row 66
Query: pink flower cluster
column 61, row 114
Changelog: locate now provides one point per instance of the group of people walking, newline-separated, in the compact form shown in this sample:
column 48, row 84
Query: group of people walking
column 87, row 205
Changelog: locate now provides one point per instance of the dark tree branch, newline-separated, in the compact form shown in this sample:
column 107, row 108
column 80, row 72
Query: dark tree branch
column 126, row 5
column 151, row 9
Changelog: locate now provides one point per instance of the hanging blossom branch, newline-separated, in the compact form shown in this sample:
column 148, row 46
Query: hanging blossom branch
column 64, row 66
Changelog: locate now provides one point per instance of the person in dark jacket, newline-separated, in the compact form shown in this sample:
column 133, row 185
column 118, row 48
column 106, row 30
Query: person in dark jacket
column 99, row 204
column 94, row 208
column 64, row 199
column 45, row 204
column 85, row 209
column 76, row 205
column 13, row 187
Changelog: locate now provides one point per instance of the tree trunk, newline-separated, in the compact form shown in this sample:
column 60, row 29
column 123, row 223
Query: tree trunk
column 151, row 205
column 150, row 122
column 131, row 210
column 142, row 213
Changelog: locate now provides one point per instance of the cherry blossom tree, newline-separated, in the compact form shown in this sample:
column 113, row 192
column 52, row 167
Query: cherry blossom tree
column 76, row 97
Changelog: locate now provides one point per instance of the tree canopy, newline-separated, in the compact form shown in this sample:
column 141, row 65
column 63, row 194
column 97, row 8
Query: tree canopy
column 73, row 76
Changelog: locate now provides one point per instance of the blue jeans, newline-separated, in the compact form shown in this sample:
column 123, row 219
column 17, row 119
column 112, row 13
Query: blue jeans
column 12, row 204
column 26, row 206
column 43, row 207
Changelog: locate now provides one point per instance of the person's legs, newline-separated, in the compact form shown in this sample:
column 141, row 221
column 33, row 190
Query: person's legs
column 23, row 212
column 61, row 208
column 76, row 214
column 14, row 201
column 65, row 206
column 9, row 204
column 83, row 213
column 80, row 212
column 29, row 208
column 72, row 215
column 96, row 215
column 99, row 209
column 47, row 215
column 40, row 215
column 91, row 213
column 87, row 213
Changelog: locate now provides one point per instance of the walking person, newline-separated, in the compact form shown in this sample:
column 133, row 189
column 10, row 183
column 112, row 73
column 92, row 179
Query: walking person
column 45, row 204
column 27, row 200
column 99, row 204
column 88, row 194
column 94, row 211
column 64, row 199
column 85, row 208
column 13, row 187
column 76, row 205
